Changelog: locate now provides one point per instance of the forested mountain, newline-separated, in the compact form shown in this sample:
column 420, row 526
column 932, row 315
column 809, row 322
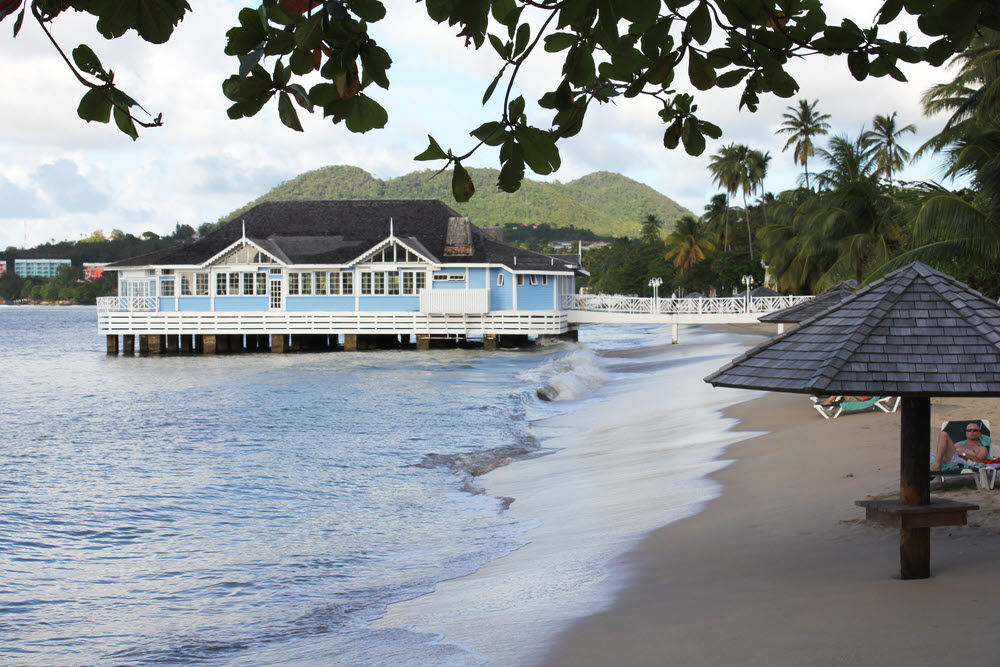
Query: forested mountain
column 605, row 203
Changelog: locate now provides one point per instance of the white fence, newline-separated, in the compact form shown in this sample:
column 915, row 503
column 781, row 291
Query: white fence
column 109, row 304
column 607, row 303
column 455, row 301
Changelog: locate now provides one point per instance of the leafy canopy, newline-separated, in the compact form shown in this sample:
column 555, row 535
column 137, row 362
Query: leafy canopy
column 611, row 50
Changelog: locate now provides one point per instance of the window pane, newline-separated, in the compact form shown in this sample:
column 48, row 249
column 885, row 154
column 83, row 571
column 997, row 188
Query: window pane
column 261, row 284
column 348, row 283
column 408, row 282
column 185, row 284
column 500, row 279
column 201, row 284
column 366, row 283
column 248, row 284
column 166, row 287
column 320, row 282
column 334, row 283
column 379, row 282
column 306, row 279
column 220, row 284
column 421, row 281
column 234, row 284
column 293, row 283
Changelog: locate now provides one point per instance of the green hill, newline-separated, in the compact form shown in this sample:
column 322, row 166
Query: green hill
column 605, row 203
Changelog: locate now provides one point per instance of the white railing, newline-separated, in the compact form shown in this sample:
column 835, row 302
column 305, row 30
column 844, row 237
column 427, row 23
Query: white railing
column 609, row 303
column 126, row 304
column 455, row 301
column 331, row 321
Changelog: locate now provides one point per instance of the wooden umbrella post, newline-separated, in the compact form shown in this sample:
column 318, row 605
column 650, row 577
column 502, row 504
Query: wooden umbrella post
column 915, row 485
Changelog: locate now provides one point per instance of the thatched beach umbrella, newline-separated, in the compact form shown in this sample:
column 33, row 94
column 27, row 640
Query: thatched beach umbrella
column 801, row 312
column 915, row 333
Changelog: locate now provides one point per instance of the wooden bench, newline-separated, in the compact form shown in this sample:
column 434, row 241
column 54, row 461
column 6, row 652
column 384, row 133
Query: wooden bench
column 940, row 512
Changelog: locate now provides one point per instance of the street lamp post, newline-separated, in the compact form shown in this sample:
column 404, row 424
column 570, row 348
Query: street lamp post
column 655, row 284
column 747, row 280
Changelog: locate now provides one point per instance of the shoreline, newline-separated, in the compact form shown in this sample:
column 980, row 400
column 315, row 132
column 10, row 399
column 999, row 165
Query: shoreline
column 781, row 568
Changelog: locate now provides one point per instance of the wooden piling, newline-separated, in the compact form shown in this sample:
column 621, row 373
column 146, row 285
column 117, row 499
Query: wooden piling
column 279, row 343
column 128, row 345
column 915, row 484
column 171, row 344
column 210, row 343
column 112, row 340
column 489, row 341
column 186, row 343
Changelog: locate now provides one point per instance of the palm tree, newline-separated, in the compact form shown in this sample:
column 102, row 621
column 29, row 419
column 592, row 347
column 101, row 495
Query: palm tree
column 882, row 145
column 802, row 124
column 687, row 244
column 726, row 167
column 651, row 231
column 754, row 171
column 715, row 218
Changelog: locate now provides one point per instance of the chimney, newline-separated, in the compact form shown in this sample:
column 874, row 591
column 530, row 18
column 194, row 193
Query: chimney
column 458, row 240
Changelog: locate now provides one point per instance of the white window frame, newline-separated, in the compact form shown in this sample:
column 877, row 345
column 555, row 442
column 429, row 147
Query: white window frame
column 500, row 279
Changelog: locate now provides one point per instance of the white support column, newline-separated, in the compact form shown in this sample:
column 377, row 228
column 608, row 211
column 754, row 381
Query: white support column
column 673, row 333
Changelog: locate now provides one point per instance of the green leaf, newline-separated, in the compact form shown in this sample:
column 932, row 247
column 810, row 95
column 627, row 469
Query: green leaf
column 301, row 96
column 462, row 186
column 247, row 36
column 368, row 10
column 301, row 61
column 512, row 172
column 95, row 106
column 580, row 68
column 890, row 10
column 559, row 41
column 489, row 89
column 309, row 35
column 672, row 135
column 87, row 60
column 858, row 63
column 18, row 21
column 516, row 109
column 250, row 60
column 491, row 133
column 501, row 47
column 522, row 39
column 731, row 78
column 375, row 62
column 710, row 129
column 366, row 115
column 700, row 72
column 700, row 23
column 501, row 9
column 154, row 20
column 433, row 152
column 124, row 123
column 539, row 149
column 286, row 112
column 694, row 142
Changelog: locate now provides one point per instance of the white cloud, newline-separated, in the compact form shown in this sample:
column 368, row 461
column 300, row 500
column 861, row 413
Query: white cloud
column 200, row 165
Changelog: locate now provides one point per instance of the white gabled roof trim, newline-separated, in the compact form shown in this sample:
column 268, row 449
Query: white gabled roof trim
column 385, row 242
column 236, row 245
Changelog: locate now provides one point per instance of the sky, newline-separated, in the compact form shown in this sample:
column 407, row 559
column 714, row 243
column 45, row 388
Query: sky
column 62, row 178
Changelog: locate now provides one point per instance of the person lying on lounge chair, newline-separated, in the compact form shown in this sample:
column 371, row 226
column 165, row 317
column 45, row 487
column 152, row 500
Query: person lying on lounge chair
column 974, row 449
column 833, row 400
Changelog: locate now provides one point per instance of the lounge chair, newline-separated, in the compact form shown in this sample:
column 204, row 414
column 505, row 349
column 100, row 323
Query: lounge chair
column 840, row 404
column 984, row 477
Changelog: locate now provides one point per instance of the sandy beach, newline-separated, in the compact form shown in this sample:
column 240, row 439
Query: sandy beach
column 781, row 569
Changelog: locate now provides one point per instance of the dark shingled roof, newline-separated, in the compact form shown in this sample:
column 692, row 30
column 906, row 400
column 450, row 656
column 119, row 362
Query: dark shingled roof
column 915, row 332
column 801, row 312
column 338, row 231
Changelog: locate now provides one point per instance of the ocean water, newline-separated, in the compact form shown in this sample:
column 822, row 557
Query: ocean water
column 328, row 508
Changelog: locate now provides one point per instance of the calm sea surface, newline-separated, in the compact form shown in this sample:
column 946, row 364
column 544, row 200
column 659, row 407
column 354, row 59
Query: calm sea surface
column 256, row 508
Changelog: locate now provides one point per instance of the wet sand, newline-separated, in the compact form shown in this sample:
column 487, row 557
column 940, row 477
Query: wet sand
column 781, row 569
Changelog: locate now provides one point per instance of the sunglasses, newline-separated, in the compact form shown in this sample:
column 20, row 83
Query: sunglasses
column 972, row 430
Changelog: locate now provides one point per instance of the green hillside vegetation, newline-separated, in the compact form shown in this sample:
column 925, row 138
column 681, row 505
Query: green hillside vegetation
column 605, row 203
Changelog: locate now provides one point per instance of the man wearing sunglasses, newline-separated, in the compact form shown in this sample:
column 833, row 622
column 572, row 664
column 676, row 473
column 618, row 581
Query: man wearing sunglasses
column 974, row 449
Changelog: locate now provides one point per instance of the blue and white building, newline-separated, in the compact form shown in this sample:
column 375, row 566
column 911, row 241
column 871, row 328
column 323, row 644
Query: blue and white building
column 354, row 268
